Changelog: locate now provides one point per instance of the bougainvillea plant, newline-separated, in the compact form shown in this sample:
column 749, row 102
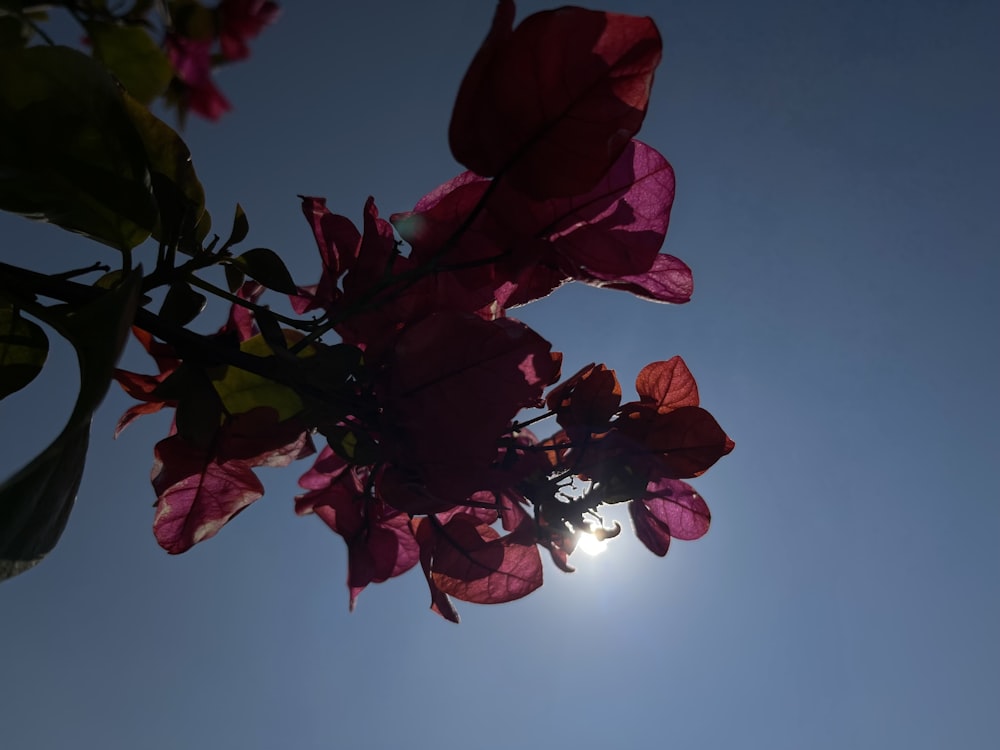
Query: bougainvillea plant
column 407, row 364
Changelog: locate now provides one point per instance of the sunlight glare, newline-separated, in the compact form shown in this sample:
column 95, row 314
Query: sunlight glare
column 590, row 544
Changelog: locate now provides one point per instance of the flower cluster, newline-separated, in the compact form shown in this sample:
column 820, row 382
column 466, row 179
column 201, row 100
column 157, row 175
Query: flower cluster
column 426, row 401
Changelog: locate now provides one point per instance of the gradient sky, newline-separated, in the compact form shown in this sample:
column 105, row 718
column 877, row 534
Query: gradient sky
column 837, row 167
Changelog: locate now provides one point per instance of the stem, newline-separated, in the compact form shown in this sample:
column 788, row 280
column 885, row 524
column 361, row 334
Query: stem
column 257, row 309
column 521, row 425
column 23, row 283
column 166, row 273
column 98, row 266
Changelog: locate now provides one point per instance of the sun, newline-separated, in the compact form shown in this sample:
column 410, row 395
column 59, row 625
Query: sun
column 590, row 544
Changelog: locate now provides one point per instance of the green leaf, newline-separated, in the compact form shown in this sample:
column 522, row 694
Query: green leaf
column 179, row 195
column 242, row 391
column 35, row 502
column 23, row 349
column 133, row 57
column 266, row 267
column 69, row 153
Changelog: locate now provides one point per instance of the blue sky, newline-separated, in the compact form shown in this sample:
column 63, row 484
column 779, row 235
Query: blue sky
column 837, row 172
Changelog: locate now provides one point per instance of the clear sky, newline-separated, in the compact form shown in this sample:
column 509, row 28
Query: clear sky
column 837, row 167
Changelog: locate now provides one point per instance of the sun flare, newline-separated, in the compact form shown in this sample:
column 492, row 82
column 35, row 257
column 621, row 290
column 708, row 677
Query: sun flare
column 590, row 544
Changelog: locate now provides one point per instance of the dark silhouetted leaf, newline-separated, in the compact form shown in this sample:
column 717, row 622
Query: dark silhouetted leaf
column 14, row 32
column 23, row 350
column 241, row 227
column 266, row 266
column 182, row 304
column 234, row 277
column 179, row 195
column 35, row 502
column 70, row 154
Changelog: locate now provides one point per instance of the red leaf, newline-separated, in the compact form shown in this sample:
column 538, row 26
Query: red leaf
column 200, row 490
column 587, row 401
column 669, row 280
column 649, row 529
column 437, row 217
column 456, row 380
column 678, row 505
column 375, row 253
column 670, row 508
column 552, row 104
column 383, row 549
column 474, row 563
column 380, row 542
column 667, row 385
column 163, row 354
column 425, row 533
column 134, row 412
column 197, row 496
column 610, row 233
column 681, row 443
column 559, row 541
column 258, row 438
column 338, row 241
column 614, row 229
column 241, row 320
column 406, row 488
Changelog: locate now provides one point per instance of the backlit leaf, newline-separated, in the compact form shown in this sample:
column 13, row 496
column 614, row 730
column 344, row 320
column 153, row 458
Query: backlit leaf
column 242, row 391
column 474, row 563
column 551, row 104
column 650, row 530
column 667, row 385
column 680, row 443
column 197, row 495
column 380, row 541
column 200, row 489
column 679, row 506
column 668, row 280
column 670, row 508
column 133, row 57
